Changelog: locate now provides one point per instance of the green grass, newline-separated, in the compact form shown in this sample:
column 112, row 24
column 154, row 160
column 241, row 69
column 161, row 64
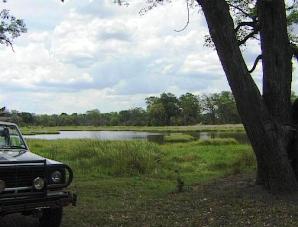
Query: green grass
column 102, row 158
column 39, row 130
column 178, row 137
column 145, row 194
column 198, row 163
column 117, row 181
column 193, row 160
column 193, row 128
column 134, row 183
column 218, row 141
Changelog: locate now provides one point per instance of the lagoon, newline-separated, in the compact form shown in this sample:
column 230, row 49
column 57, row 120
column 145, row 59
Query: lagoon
column 136, row 135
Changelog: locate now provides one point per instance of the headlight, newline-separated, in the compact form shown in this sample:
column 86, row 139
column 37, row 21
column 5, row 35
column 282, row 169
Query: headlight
column 56, row 177
column 38, row 183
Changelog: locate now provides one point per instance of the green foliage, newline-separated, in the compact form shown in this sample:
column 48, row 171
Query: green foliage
column 188, row 109
column 10, row 27
column 219, row 108
column 162, row 110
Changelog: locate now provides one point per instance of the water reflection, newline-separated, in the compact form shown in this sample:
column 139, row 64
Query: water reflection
column 100, row 135
column 133, row 135
column 241, row 137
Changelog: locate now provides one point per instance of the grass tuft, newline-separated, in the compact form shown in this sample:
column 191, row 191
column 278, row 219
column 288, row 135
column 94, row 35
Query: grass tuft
column 178, row 138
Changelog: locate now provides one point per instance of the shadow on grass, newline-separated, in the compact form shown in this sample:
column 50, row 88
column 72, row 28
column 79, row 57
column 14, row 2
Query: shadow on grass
column 17, row 220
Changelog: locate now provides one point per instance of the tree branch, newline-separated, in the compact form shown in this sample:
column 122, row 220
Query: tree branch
column 7, row 42
column 241, row 10
column 187, row 23
column 250, row 35
column 245, row 23
column 255, row 63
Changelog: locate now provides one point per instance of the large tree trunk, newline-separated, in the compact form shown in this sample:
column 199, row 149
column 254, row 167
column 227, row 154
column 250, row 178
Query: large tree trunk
column 277, row 68
column 265, row 127
column 276, row 52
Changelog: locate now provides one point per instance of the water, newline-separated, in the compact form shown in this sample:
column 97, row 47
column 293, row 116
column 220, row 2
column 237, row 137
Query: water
column 241, row 137
column 100, row 135
column 133, row 135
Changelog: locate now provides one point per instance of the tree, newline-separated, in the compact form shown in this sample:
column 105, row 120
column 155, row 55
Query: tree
column 10, row 27
column 134, row 116
column 209, row 109
column 138, row 116
column 190, row 108
column 93, row 117
column 171, row 107
column 266, row 117
column 156, row 111
column 163, row 110
column 226, row 110
column 26, row 118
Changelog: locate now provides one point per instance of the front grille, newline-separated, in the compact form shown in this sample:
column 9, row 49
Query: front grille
column 18, row 177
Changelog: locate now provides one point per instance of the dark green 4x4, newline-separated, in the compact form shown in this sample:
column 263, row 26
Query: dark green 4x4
column 29, row 183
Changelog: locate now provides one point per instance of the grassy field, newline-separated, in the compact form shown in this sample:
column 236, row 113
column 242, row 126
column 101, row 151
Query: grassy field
column 135, row 183
column 195, row 128
column 194, row 183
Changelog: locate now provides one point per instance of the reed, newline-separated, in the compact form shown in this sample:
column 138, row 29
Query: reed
column 93, row 157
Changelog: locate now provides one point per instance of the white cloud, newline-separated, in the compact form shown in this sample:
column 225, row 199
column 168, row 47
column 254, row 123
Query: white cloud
column 83, row 55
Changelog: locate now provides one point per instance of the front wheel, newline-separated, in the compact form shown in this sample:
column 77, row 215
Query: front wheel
column 51, row 217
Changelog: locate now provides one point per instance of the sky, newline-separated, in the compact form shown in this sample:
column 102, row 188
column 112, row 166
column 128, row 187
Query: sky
column 93, row 54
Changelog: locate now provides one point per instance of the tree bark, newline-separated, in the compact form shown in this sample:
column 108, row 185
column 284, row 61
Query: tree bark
column 264, row 129
column 277, row 69
column 276, row 52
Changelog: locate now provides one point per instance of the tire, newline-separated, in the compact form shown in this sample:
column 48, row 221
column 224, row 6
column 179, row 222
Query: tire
column 51, row 217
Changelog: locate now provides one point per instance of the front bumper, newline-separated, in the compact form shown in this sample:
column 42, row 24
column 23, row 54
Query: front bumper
column 22, row 205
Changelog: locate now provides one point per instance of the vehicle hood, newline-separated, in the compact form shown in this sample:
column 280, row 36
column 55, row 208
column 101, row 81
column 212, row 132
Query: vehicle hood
column 22, row 155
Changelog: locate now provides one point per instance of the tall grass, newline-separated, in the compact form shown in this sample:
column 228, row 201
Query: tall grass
column 198, row 161
column 92, row 157
column 193, row 161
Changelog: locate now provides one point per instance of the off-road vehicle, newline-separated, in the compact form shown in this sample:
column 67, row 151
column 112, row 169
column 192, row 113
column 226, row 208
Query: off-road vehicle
column 29, row 183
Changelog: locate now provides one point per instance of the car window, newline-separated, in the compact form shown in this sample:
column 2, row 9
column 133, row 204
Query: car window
column 10, row 137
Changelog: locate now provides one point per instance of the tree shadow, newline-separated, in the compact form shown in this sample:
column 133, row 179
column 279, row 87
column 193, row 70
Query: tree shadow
column 17, row 220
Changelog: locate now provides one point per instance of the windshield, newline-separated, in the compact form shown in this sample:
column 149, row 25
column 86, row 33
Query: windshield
column 10, row 138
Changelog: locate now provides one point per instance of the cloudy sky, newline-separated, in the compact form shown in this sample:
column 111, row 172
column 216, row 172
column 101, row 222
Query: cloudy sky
column 87, row 54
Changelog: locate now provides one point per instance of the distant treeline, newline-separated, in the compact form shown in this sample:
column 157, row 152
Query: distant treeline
column 167, row 109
